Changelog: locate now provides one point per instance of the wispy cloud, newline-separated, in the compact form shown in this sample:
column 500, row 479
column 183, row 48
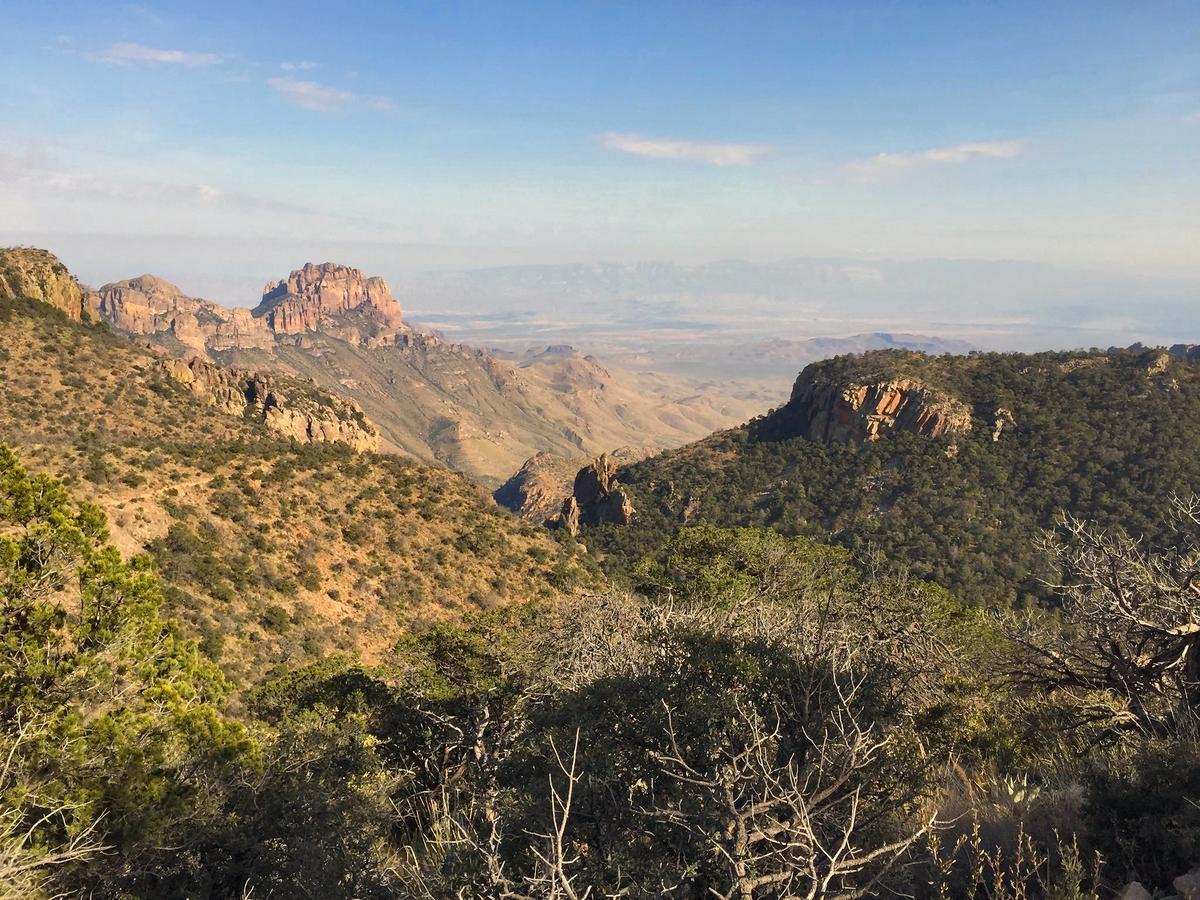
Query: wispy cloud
column 317, row 97
column 692, row 151
column 302, row 66
column 126, row 54
column 1192, row 118
column 34, row 170
column 885, row 166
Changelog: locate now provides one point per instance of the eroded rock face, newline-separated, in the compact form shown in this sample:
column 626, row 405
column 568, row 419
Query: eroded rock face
column 151, row 306
column 39, row 275
column 537, row 490
column 331, row 297
column 597, row 498
column 859, row 411
column 288, row 407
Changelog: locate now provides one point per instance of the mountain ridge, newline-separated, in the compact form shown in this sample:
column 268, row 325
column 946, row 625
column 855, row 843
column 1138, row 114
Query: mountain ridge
column 438, row 401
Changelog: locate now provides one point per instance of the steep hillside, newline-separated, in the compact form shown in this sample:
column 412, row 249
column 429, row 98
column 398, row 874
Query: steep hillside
column 430, row 399
column 952, row 466
column 39, row 275
column 270, row 549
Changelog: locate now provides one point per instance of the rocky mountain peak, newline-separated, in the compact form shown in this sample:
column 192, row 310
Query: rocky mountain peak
column 327, row 296
column 40, row 275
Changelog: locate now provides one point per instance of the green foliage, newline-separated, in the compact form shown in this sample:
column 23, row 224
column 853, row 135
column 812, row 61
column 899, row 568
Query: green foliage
column 1097, row 435
column 108, row 712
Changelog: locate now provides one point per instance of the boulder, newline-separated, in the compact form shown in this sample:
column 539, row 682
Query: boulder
column 1134, row 891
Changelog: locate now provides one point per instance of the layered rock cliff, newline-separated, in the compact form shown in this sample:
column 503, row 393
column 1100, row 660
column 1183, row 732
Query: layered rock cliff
column 827, row 405
column 151, row 306
column 335, row 298
column 287, row 407
column 39, row 275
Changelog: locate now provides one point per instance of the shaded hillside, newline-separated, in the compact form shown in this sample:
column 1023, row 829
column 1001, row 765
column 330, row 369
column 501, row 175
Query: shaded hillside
column 269, row 549
column 1106, row 436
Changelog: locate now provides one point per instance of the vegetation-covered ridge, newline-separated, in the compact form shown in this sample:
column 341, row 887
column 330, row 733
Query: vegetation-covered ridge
column 271, row 551
column 766, row 717
column 1109, row 436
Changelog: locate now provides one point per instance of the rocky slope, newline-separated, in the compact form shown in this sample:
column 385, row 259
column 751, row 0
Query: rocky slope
column 39, row 275
column 441, row 402
column 286, row 406
column 272, row 551
column 537, row 490
column 541, row 487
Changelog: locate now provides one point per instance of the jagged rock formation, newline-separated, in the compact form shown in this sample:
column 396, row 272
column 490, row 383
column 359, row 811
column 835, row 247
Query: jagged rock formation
column 537, row 490
column 541, row 487
column 597, row 498
column 331, row 297
column 301, row 413
column 39, row 275
column 147, row 305
column 824, row 407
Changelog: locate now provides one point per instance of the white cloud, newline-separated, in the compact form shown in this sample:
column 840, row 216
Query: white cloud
column 891, row 165
column 692, row 151
column 1192, row 118
column 124, row 54
column 302, row 66
column 322, row 98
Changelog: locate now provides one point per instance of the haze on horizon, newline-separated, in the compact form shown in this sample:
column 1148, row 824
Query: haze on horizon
column 1005, row 173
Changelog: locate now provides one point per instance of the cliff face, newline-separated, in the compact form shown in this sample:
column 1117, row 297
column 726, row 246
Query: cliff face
column 597, row 498
column 38, row 275
column 330, row 297
column 852, row 411
column 152, row 306
column 287, row 407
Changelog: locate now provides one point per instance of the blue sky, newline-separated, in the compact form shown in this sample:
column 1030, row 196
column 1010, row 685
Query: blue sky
column 493, row 133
